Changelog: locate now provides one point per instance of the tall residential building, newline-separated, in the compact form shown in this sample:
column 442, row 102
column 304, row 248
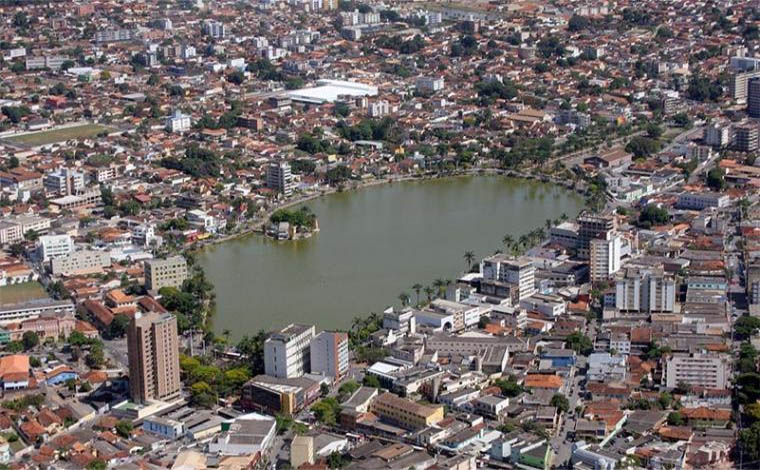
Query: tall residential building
column 169, row 272
column 753, row 97
column 746, row 138
column 329, row 354
column 287, row 353
column 51, row 246
column 214, row 29
column 753, row 283
column 700, row 370
column 717, row 134
column 178, row 122
column 517, row 271
column 590, row 227
column 280, row 178
column 605, row 257
column 153, row 350
column 64, row 181
column 645, row 290
column 739, row 85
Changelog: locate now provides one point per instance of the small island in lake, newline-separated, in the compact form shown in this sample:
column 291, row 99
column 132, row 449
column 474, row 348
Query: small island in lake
column 286, row 224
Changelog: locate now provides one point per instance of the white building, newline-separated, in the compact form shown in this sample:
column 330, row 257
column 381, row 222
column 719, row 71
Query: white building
column 378, row 109
column 280, row 178
column 605, row 257
column 429, row 84
column 329, row 354
column 699, row 201
column 80, row 262
column 517, row 271
column 215, row 29
column 178, row 122
column 64, row 181
column 287, row 353
column 565, row 234
column 717, row 135
column 643, row 290
column 249, row 434
column 51, row 246
column 701, row 370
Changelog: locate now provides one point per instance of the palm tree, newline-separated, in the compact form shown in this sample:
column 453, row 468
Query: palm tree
column 429, row 292
column 404, row 298
column 469, row 257
column 563, row 217
column 508, row 240
column 417, row 288
column 226, row 333
column 439, row 283
column 548, row 224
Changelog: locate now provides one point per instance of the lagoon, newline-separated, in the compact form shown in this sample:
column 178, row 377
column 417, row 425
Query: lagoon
column 374, row 244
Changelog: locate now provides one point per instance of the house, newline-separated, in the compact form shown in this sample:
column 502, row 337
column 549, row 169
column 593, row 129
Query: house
column 14, row 371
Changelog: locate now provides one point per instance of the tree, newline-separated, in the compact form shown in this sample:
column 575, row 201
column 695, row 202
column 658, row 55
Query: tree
column 14, row 347
column 118, row 327
column 30, row 340
column 371, row 381
column 335, row 460
column 577, row 23
column 326, row 410
column 675, row 419
column 642, row 147
column 237, row 77
column 749, row 442
column 579, row 343
column 202, row 395
column 324, row 389
column 417, row 287
column 716, row 179
column 652, row 215
column 654, row 131
column 31, row 235
column 509, row 387
column 96, row 358
column 746, row 326
column 347, row 389
column 560, row 401
column 469, row 257
column 97, row 464
column 123, row 428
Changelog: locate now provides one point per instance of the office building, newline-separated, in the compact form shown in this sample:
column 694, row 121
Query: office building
column 329, row 354
column 280, row 178
column 153, row 350
column 698, row 370
column 169, row 272
column 405, row 413
column 739, row 85
column 590, row 227
column 287, row 353
column 746, row 138
column 277, row 395
column 606, row 257
column 64, row 182
column 215, row 29
column 51, row 246
column 753, row 97
column 644, row 290
column 517, row 271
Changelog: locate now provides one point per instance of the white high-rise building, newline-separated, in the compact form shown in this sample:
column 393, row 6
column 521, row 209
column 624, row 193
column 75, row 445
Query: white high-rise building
column 329, row 354
column 178, row 122
column 280, row 178
column 517, row 271
column 51, row 246
column 287, row 353
column 606, row 254
column 700, row 370
column 643, row 290
column 215, row 29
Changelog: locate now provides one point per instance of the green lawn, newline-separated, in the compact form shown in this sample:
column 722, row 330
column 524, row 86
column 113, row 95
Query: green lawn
column 59, row 135
column 21, row 292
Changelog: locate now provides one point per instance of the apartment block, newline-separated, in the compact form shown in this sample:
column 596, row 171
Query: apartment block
column 605, row 257
column 406, row 413
column 287, row 353
column 700, row 370
column 703, row 200
column 52, row 246
column 280, row 178
column 640, row 290
column 80, row 262
column 153, row 350
column 329, row 354
column 64, row 181
column 590, row 227
column 169, row 272
column 746, row 138
column 518, row 271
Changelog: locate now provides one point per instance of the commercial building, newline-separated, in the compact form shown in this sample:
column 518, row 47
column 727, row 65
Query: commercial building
column 512, row 270
column 72, row 202
column 64, row 182
column 279, row 395
column 643, row 290
column 169, row 272
column 329, row 354
column 405, row 413
column 590, row 227
column 700, row 370
column 248, row 435
column 702, row 200
column 330, row 91
column 80, row 262
column 153, row 350
column 280, row 178
column 606, row 257
column 287, row 353
column 52, row 246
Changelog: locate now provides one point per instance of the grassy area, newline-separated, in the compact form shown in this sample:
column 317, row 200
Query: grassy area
column 21, row 292
column 59, row 135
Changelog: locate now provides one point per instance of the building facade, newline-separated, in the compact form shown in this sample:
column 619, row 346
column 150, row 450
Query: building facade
column 280, row 178
column 329, row 354
column 287, row 353
column 519, row 272
column 153, row 350
column 700, row 370
column 169, row 272
column 645, row 291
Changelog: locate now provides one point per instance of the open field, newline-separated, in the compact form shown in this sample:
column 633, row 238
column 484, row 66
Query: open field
column 21, row 292
column 58, row 135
